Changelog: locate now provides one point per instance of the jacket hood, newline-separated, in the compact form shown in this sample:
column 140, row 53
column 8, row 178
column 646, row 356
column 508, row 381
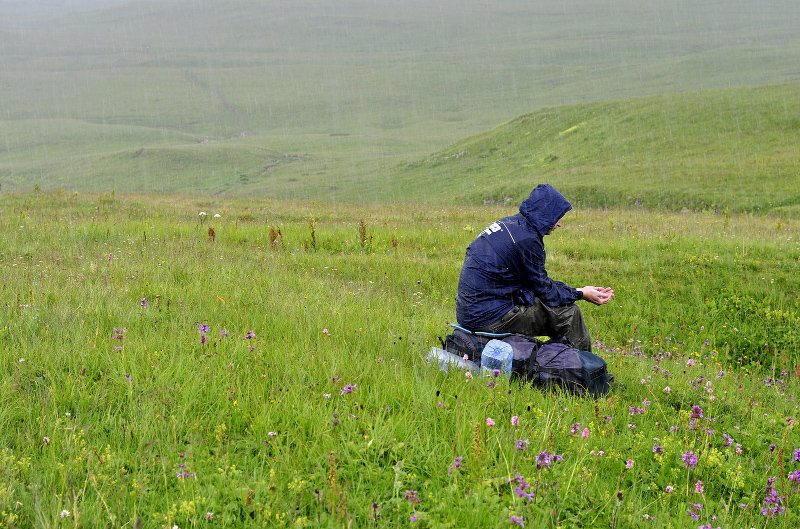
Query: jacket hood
column 544, row 207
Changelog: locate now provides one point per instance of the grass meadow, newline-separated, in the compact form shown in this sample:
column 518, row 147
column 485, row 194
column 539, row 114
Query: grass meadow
column 231, row 232
column 275, row 376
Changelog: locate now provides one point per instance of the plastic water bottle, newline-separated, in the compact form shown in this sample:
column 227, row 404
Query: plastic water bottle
column 497, row 354
column 447, row 359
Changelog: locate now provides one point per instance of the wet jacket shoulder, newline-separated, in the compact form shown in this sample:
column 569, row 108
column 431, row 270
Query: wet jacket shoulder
column 505, row 264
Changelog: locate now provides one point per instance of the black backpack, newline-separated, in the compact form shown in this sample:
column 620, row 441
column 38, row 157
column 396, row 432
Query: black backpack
column 551, row 364
column 463, row 342
column 559, row 365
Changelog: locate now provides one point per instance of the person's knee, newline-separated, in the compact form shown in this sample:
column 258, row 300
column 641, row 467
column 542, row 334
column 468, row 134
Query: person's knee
column 569, row 314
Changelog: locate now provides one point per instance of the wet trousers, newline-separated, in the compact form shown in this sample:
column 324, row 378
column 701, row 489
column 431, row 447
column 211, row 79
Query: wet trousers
column 541, row 320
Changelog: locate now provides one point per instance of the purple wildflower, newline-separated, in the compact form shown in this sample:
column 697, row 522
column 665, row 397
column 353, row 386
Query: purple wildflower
column 689, row 459
column 348, row 388
column 203, row 329
column 517, row 520
column 522, row 444
column 250, row 335
column 224, row 333
column 521, row 487
column 773, row 504
column 143, row 302
column 728, row 439
column 413, row 518
column 794, row 477
column 575, row 428
column 411, row 495
column 658, row 449
column 522, row 494
column 796, row 455
column 457, row 462
column 543, row 460
column 694, row 510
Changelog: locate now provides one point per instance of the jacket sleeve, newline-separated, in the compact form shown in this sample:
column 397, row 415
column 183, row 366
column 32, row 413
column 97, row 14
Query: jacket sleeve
column 529, row 265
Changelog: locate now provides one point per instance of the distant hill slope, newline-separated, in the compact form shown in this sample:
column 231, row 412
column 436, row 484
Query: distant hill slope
column 737, row 149
column 734, row 149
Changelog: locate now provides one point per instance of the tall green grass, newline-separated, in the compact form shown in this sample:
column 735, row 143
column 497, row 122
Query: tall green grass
column 112, row 411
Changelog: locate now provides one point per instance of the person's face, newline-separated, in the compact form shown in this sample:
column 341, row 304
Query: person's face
column 558, row 225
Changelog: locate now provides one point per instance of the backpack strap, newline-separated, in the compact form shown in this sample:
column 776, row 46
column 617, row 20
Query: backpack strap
column 481, row 333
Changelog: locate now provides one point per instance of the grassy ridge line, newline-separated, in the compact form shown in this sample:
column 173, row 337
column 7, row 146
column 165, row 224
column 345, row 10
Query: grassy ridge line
column 728, row 149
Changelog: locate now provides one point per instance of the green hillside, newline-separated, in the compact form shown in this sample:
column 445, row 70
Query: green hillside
column 308, row 99
column 732, row 149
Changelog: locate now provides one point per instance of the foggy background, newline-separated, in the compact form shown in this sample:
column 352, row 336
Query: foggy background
column 355, row 86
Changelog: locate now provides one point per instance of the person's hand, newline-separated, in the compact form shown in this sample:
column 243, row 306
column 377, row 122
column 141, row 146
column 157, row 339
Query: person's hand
column 597, row 295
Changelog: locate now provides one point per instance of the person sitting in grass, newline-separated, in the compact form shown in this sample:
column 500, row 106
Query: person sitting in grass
column 504, row 287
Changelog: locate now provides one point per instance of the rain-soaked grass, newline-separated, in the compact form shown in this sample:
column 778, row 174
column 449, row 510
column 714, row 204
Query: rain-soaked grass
column 274, row 375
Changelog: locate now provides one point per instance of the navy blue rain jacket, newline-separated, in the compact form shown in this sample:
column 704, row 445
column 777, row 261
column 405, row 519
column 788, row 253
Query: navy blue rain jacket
column 504, row 265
